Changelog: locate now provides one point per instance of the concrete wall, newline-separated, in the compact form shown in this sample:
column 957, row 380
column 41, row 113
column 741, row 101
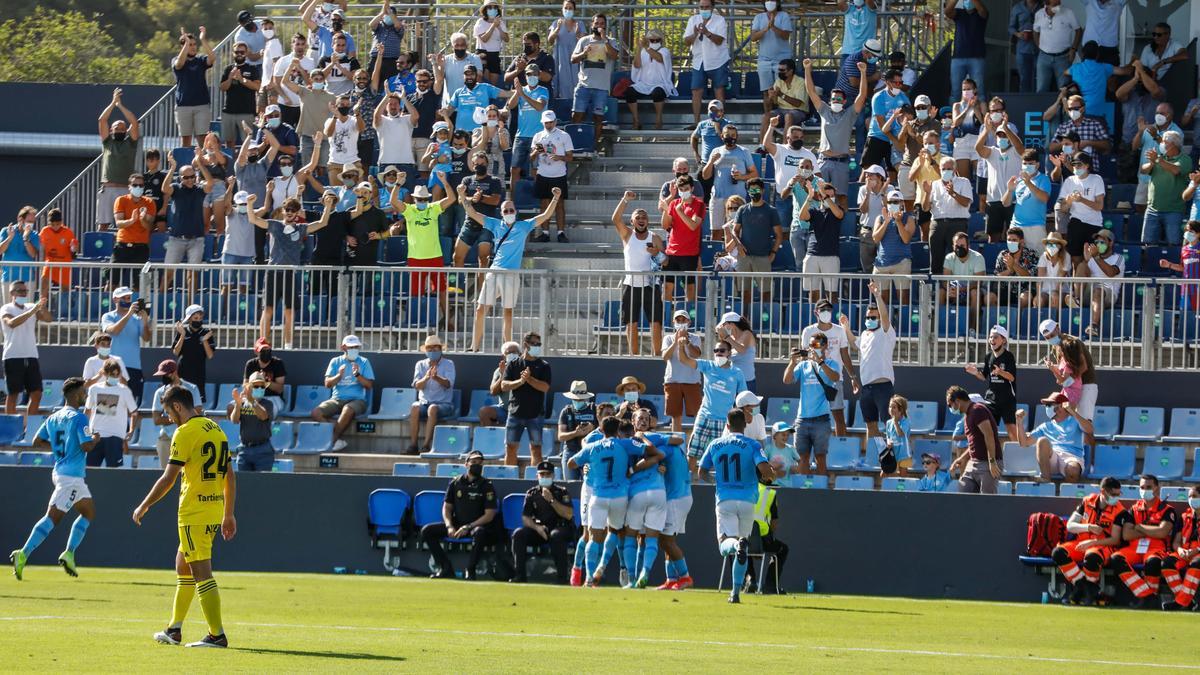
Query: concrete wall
column 868, row 543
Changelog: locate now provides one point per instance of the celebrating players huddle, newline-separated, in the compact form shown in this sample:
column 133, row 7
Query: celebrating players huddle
column 199, row 451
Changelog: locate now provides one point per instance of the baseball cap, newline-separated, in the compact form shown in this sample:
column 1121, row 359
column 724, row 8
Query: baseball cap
column 167, row 367
column 1056, row 398
column 1047, row 326
column 533, row 69
column 923, row 100
column 876, row 170
column 261, row 344
column 473, row 454
column 272, row 110
column 747, row 398
column 545, row 466
column 999, row 330
column 781, row 427
column 730, row 317
column 895, row 194
column 681, row 313
column 257, row 378
column 716, row 103
column 363, row 186
column 122, row 292
column 351, row 341
column 241, row 197
column 549, row 116
column 244, row 16
column 1107, row 234
column 932, row 457
column 338, row 12
column 824, row 303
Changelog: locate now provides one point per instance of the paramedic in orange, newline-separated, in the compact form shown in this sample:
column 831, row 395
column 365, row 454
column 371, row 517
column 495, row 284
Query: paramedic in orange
column 1154, row 523
column 1185, row 557
column 1097, row 523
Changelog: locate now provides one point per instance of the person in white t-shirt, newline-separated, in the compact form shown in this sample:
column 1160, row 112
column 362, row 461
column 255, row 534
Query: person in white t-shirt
column 756, row 428
column 289, row 102
column 113, row 416
column 876, row 367
column 91, row 368
column 1082, row 196
column 272, row 51
column 22, row 372
column 394, row 120
column 787, row 156
column 1100, row 261
column 837, row 350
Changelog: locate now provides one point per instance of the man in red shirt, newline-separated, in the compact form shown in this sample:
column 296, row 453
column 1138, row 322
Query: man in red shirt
column 1185, row 557
column 1154, row 523
column 1097, row 523
column 980, row 464
column 683, row 220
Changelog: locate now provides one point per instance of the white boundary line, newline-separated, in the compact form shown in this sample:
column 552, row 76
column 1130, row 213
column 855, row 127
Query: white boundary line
column 647, row 640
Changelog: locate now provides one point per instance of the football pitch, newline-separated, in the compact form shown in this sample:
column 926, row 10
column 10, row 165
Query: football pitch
column 104, row 620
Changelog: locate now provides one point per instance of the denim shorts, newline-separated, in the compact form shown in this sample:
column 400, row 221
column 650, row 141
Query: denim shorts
column 475, row 235
column 235, row 276
column 521, row 148
column 445, row 410
column 812, row 435
column 719, row 77
column 516, row 426
column 589, row 100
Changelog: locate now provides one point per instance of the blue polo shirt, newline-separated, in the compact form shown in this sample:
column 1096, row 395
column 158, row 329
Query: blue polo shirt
column 678, row 478
column 191, row 88
column 349, row 388
column 1066, row 435
column 721, row 387
column 812, row 395
column 608, row 461
column 1092, row 78
column 859, row 26
column 882, row 105
column 1028, row 211
column 708, row 132
column 128, row 343
column 529, row 119
column 465, row 101
column 509, row 242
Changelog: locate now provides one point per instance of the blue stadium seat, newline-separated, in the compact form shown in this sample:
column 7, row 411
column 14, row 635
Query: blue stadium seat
column 312, row 438
column 489, row 441
column 149, row 462
column 394, row 251
column 810, row 482
column 1174, row 494
column 1031, row 489
column 1185, row 426
column 395, row 403
column 894, row 484
column 1003, row 487
column 844, row 453
column 750, row 86
column 385, row 511
column 854, row 483
column 479, row 399
column 52, row 394
column 1164, row 461
column 32, row 424
column 449, row 442
column 427, row 507
column 283, row 466
column 782, row 409
column 1141, row 424
column 1106, row 422
column 920, row 256
column 500, row 471
column 1020, row 461
column 950, row 419
column 307, row 397
column 12, row 428
column 922, row 416
column 232, row 431
column 1113, row 460
column 35, row 459
column 410, row 469
column 97, row 246
column 223, row 397
column 8, row 457
column 1076, row 490
column 420, row 312
column 146, row 437
column 952, row 321
column 943, row 449
column 282, row 435
column 859, row 423
column 449, row 470
column 511, row 507
column 583, row 138
column 848, row 256
column 1194, row 476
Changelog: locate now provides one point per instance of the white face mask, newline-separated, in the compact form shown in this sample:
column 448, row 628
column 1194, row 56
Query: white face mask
column 931, row 148
column 1075, row 114
column 685, row 195
column 996, row 117
column 895, row 208
column 104, row 351
column 655, row 45
column 805, row 173
column 112, row 381
column 837, row 107
column 545, row 481
column 1052, row 249
column 947, row 175
column 1160, row 119
column 351, row 354
column 1030, row 169
column 510, row 218
column 510, row 357
column 771, row 6
column 720, row 361
column 268, row 33
column 824, row 317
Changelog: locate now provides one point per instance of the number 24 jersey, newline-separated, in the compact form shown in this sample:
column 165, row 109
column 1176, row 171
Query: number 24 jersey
column 202, row 449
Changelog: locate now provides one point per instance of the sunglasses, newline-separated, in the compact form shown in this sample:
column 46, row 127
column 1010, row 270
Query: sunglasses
column 927, row 462
column 1160, row 34
column 1075, row 108
column 187, row 178
column 720, row 351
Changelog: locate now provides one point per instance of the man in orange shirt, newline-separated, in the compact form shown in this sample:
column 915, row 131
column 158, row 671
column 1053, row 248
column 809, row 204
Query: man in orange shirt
column 133, row 215
column 58, row 245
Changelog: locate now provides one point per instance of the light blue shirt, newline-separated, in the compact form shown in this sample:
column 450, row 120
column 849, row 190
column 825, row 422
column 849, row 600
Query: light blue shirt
column 678, row 478
column 66, row 431
column 708, row 131
column 156, row 405
column 128, row 343
column 960, row 429
column 1066, row 435
column 721, row 387
column 898, row 437
column 510, row 245
column 649, row 479
column 349, row 388
column 1092, row 78
column 452, row 73
column 939, row 482
column 529, row 119
column 254, row 40
column 788, row 458
column 1028, row 211
column 17, row 252
column 466, row 101
column 859, row 27
column 773, row 48
column 1102, row 22
column 738, row 158
column 799, row 194
column 812, row 395
column 882, row 105
column 325, row 43
column 434, row 392
column 733, row 461
column 608, row 461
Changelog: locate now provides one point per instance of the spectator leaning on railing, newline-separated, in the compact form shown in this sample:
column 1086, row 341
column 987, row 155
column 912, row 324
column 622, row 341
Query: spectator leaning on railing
column 192, row 113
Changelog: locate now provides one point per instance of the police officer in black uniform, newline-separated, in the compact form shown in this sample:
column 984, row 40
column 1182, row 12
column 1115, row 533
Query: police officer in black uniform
column 468, row 514
column 548, row 517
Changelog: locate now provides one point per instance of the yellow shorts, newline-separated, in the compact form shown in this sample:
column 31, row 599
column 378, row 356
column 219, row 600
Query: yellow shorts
column 195, row 541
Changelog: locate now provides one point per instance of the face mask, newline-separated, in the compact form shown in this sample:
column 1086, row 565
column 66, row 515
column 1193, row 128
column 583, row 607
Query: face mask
column 137, row 192
column 730, row 142
column 119, row 135
column 104, row 351
column 895, row 208
column 1013, row 246
column 720, row 361
column 579, row 405
column 510, row 218
column 1075, row 114
column 1102, row 247
column 631, row 396
column 859, row 3
column 1160, row 120
column 1146, row 494
column 433, row 355
column 421, row 206
column 967, row 5
column 343, row 110
column 1190, row 237
column 458, row 151
column 968, row 94
column 796, row 144
column 706, row 14
column 922, row 114
column 347, row 181
column 824, row 316
column 1054, row 340
column 753, row 410
column 947, row 175
column 1110, row 500
column 1194, row 502
column 328, row 6
column 19, row 300
column 1003, row 144
column 460, row 53
column 318, row 86
column 274, row 122
column 996, row 117
column 837, row 107
column 492, row 13
column 1080, row 172
column 241, row 208
column 1068, row 149
column 755, row 195
column 475, row 470
column 196, row 325
column 931, row 148
column 269, row 33
column 285, row 170
column 871, row 324
column 655, row 45
column 1051, row 411
column 112, row 381
column 685, row 195
column 265, row 356
column 770, row 6
column 960, row 251
column 545, row 481
column 1162, row 148
column 535, row 351
column 351, row 354
column 568, row 14
column 1052, row 249
column 1029, row 169
column 239, row 60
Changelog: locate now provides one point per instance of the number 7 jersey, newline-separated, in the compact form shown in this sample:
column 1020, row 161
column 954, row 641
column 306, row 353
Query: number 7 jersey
column 202, row 449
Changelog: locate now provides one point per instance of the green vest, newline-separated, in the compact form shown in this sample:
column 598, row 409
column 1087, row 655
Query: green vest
column 762, row 509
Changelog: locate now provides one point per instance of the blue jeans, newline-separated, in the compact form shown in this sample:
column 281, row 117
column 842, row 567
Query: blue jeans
column 1027, row 72
column 798, row 239
column 259, row 457
column 961, row 69
column 1159, row 227
column 812, row 435
column 1050, row 71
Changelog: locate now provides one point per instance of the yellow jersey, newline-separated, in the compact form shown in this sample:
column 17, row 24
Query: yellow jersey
column 202, row 449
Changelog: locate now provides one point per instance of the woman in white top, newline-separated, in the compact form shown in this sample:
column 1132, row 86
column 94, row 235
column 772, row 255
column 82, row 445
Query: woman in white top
column 1082, row 196
column 651, row 77
column 343, row 129
column 729, row 261
column 966, row 120
column 492, row 139
column 1054, row 263
column 491, row 32
column 289, row 183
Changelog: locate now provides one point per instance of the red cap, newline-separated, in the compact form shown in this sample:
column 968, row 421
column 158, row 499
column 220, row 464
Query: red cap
column 261, row 344
column 168, row 367
column 1057, row 398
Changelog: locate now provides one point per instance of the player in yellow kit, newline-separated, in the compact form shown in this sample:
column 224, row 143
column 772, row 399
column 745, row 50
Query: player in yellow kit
column 200, row 451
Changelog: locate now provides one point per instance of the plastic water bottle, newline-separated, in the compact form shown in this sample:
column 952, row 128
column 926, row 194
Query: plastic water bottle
column 1045, row 598
column 339, row 570
column 809, row 586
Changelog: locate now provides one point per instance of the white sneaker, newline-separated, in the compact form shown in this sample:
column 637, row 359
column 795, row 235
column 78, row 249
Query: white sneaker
column 338, row 445
column 624, row 578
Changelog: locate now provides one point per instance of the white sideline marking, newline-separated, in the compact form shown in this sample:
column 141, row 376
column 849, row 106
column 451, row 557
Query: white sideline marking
column 646, row 640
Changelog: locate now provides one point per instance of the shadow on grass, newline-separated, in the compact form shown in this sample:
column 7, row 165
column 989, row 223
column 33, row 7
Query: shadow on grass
column 351, row 656
column 847, row 610
column 157, row 584
column 52, row 599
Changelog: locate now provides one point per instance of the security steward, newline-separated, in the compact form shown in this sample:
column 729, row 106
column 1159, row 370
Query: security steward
column 547, row 518
column 468, row 516
column 766, row 518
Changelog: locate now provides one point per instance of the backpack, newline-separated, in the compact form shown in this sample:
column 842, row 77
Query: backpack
column 1045, row 531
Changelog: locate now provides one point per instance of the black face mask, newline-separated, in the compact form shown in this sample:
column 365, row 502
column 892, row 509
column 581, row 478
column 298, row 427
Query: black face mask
column 783, row 75
column 252, row 158
column 119, row 135
column 167, row 380
column 469, row 84
column 460, row 53
column 337, row 25
column 730, row 142
column 475, row 470
column 265, row 356
column 530, row 50
column 796, row 144
column 481, row 170
column 343, row 110
column 960, row 251
column 596, row 32
column 196, row 325
column 239, row 60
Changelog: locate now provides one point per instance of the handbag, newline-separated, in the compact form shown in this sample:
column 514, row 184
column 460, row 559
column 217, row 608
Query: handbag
column 831, row 391
column 622, row 86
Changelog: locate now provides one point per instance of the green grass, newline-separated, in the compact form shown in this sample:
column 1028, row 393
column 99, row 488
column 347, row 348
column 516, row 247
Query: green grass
column 103, row 622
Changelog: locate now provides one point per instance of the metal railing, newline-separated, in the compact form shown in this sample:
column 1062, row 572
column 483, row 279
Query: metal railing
column 1141, row 323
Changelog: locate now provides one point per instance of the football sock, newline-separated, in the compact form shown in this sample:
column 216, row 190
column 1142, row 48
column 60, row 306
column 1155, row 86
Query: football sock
column 629, row 555
column 39, row 533
column 580, row 553
column 681, row 568
column 593, row 557
column 1071, row 571
column 1137, row 585
column 1174, row 581
column 670, row 566
column 78, row 529
column 728, row 546
column 185, row 590
column 649, row 553
column 739, row 574
column 210, row 604
column 611, row 544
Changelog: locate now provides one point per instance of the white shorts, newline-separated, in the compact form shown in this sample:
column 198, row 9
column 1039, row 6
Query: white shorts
column 964, row 148
column 677, row 513
column 607, row 512
column 647, row 511
column 1142, row 193
column 1087, row 401
column 503, row 286
column 1035, row 238
column 67, row 491
column 585, row 498
column 822, row 264
column 735, row 518
column 908, row 189
column 1059, row 460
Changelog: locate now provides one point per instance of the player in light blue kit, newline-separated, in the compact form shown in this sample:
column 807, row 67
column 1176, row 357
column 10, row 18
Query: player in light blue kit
column 585, row 495
column 608, row 462
column 678, row 479
column 738, row 463
column 647, row 512
column 67, row 434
